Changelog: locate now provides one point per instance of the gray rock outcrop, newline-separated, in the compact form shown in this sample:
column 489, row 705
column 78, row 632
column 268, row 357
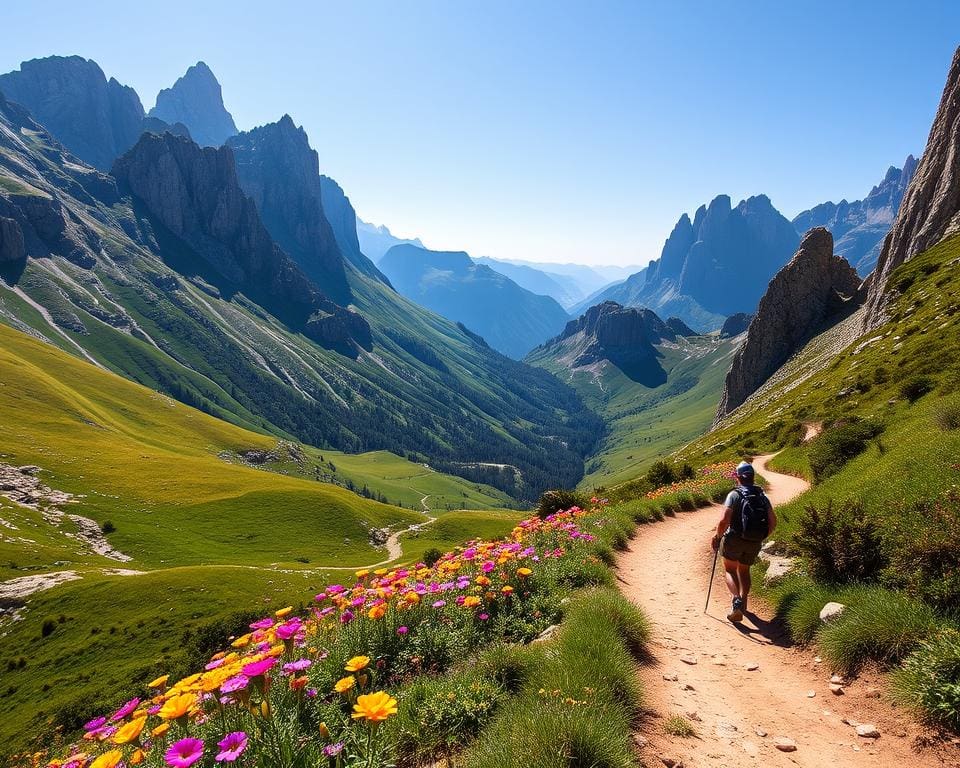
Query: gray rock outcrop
column 812, row 289
column 281, row 172
column 12, row 248
column 194, row 193
column 95, row 118
column 196, row 101
column 930, row 210
column 735, row 325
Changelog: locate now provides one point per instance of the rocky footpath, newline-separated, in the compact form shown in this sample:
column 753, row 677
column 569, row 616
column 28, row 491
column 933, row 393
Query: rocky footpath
column 195, row 194
column 930, row 210
column 813, row 289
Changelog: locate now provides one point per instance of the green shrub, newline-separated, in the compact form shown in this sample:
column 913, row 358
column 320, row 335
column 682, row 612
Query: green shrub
column 687, row 472
column 947, row 416
column 660, row 474
column 915, row 387
column 108, row 527
column 558, row 500
column 799, row 600
column 834, row 447
column 878, row 625
column 431, row 556
column 925, row 550
column 840, row 544
column 48, row 627
column 929, row 680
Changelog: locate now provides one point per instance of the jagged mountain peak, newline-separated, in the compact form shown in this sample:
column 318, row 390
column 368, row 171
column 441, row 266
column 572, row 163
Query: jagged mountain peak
column 196, row 100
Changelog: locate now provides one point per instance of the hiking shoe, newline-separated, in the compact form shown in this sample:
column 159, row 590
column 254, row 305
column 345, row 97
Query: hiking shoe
column 736, row 614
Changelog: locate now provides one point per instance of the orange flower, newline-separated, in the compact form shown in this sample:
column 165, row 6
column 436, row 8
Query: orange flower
column 138, row 757
column 177, row 706
column 507, row 590
column 160, row 730
column 412, row 598
column 471, row 602
column 108, row 759
column 357, row 663
column 344, row 684
column 130, row 732
column 160, row 682
column 377, row 611
column 374, row 707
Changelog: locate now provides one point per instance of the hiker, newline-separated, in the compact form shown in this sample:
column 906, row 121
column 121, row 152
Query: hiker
column 748, row 518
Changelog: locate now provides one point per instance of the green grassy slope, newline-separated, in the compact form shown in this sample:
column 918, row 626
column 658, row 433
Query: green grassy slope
column 647, row 423
column 216, row 538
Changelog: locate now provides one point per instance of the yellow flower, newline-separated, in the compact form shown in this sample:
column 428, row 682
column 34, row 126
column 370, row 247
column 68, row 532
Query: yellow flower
column 412, row 598
column 374, row 707
column 241, row 642
column 108, row 759
column 362, row 574
column 138, row 757
column 177, row 706
column 344, row 684
column 357, row 663
column 507, row 590
column 377, row 611
column 129, row 732
column 324, row 731
column 160, row 730
column 284, row 612
column 471, row 602
column 523, row 572
column 159, row 682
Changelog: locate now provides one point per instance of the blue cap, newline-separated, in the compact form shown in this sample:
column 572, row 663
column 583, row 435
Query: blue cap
column 745, row 469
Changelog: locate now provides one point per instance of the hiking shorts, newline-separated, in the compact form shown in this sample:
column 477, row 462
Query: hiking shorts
column 732, row 547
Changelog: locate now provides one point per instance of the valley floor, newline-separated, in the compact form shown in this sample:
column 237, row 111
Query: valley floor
column 665, row 571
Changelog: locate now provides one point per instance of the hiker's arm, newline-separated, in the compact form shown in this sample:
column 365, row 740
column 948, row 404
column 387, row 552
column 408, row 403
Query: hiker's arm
column 724, row 523
column 773, row 521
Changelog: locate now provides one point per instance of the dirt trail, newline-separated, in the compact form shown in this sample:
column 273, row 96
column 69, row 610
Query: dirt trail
column 666, row 571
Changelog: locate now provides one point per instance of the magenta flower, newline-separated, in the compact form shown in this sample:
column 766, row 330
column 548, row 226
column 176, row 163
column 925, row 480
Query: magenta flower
column 346, row 617
column 262, row 624
column 488, row 566
column 234, row 684
column 332, row 750
column 289, row 629
column 402, row 631
column 334, row 589
column 184, row 753
column 299, row 665
column 439, row 603
column 97, row 722
column 258, row 668
column 126, row 709
column 214, row 664
column 231, row 747
column 483, row 616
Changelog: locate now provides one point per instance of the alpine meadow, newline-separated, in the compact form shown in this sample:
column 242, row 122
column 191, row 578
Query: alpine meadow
column 479, row 386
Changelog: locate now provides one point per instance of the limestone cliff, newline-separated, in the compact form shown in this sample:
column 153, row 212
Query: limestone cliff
column 814, row 289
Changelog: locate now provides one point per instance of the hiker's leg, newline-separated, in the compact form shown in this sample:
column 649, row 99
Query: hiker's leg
column 743, row 576
column 731, row 576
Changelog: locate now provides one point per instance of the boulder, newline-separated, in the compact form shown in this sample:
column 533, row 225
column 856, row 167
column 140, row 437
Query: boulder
column 831, row 611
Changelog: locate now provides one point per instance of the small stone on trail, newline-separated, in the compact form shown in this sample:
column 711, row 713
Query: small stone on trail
column 687, row 687
column 671, row 678
column 872, row 693
column 831, row 611
column 752, row 666
column 811, row 694
column 837, row 680
column 761, row 733
column 694, row 716
column 725, row 729
column 784, row 744
column 868, row 731
column 817, row 660
column 688, row 659
column 836, row 690
column 640, row 741
column 670, row 762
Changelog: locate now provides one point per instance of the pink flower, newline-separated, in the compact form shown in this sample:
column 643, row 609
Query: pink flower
column 184, row 753
column 126, row 709
column 402, row 631
column 258, row 668
column 95, row 723
column 439, row 603
column 296, row 666
column 334, row 589
column 214, row 664
column 231, row 747
column 289, row 629
column 234, row 684
column 346, row 617
column 483, row 616
column 488, row 566
column 262, row 624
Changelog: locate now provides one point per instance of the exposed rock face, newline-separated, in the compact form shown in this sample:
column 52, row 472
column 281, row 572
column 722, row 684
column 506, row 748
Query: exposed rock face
column 859, row 227
column 196, row 100
column 156, row 125
column 735, row 325
column 343, row 220
column 96, row 119
column 811, row 290
column 717, row 265
column 376, row 241
column 930, row 210
column 279, row 170
column 194, row 193
column 12, row 247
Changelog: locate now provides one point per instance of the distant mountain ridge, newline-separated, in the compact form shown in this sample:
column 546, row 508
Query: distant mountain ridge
column 196, row 100
column 510, row 318
column 375, row 240
column 859, row 227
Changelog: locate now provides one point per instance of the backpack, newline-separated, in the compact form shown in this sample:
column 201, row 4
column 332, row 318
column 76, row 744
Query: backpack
column 753, row 522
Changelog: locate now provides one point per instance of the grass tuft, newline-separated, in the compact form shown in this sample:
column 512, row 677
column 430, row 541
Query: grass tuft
column 678, row 725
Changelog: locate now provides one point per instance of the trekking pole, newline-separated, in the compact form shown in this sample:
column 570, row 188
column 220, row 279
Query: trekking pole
column 713, row 572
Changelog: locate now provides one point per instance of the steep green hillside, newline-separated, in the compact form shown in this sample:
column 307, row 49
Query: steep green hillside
column 179, row 493
column 647, row 422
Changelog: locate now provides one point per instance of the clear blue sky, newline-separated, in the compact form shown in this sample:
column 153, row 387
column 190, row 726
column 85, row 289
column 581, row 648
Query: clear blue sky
column 552, row 131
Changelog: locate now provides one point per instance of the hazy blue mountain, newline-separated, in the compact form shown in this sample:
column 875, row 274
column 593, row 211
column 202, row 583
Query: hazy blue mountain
column 565, row 289
column 196, row 100
column 588, row 278
column 511, row 319
column 343, row 219
column 377, row 240
column 95, row 118
column 715, row 266
column 859, row 227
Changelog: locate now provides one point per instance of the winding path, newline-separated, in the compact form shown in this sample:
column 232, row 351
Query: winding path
column 739, row 712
